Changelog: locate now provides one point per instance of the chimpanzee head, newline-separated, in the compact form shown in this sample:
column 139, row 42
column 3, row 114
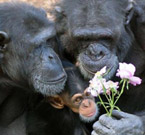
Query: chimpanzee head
column 27, row 42
column 95, row 33
column 75, row 95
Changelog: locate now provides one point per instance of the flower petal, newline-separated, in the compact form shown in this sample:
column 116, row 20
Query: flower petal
column 135, row 80
column 103, row 70
column 125, row 70
column 94, row 93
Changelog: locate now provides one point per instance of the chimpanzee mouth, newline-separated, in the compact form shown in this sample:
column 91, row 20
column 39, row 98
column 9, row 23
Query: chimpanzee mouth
column 110, row 71
column 91, row 113
column 89, row 71
column 52, row 82
column 90, row 117
column 49, row 88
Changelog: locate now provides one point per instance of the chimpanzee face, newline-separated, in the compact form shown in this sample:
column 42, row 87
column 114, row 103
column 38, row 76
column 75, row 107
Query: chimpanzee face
column 75, row 96
column 95, row 34
column 28, row 56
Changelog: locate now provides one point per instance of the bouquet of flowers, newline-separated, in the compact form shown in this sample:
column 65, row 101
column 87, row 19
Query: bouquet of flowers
column 109, row 88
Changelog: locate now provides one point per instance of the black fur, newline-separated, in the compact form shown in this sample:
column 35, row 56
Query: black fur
column 28, row 63
column 103, row 33
column 45, row 119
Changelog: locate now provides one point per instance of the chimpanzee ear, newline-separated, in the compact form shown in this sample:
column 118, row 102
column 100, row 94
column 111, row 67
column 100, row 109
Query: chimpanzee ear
column 136, row 17
column 56, row 102
column 4, row 38
column 60, row 20
column 130, row 11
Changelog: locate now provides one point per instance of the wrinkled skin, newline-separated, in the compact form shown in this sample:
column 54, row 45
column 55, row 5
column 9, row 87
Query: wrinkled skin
column 28, row 63
column 60, row 114
column 95, row 39
column 28, row 58
column 98, row 33
column 127, row 124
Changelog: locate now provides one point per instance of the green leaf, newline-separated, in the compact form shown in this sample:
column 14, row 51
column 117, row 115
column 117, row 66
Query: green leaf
column 117, row 108
column 121, row 81
column 107, row 106
column 106, row 103
column 127, row 85
column 99, row 103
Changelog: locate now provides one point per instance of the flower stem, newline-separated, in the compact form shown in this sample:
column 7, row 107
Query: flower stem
column 103, row 104
column 109, row 100
column 111, row 109
column 121, row 92
column 112, row 104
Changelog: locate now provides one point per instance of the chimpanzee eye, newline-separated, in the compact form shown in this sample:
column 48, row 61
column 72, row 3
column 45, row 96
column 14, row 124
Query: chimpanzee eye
column 51, row 42
column 78, row 100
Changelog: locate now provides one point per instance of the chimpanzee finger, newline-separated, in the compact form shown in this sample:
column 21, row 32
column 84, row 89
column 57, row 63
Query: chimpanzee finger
column 101, row 129
column 119, row 114
column 94, row 133
column 107, row 121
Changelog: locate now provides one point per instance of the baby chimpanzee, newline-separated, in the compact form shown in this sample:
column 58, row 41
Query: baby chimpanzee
column 65, row 113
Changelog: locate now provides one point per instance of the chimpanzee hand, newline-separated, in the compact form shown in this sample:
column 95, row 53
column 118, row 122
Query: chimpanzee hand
column 120, row 123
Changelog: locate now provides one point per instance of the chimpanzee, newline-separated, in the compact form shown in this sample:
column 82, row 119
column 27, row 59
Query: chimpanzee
column 28, row 63
column 64, row 113
column 27, row 56
column 100, row 33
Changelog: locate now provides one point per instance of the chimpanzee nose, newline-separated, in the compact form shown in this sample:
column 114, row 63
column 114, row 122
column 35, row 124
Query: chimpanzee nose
column 86, row 103
column 95, row 52
column 50, row 57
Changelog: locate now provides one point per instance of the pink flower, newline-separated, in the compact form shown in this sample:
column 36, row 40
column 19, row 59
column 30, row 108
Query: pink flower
column 92, row 91
column 135, row 80
column 110, row 85
column 96, row 84
column 96, row 87
column 103, row 70
column 126, row 71
column 99, row 84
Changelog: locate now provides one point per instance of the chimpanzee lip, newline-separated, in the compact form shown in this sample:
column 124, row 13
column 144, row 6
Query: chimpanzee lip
column 89, row 71
column 93, row 73
column 61, row 79
column 92, row 113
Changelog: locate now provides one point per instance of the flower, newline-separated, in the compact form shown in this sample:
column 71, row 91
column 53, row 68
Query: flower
column 126, row 71
column 98, row 84
column 103, row 70
column 109, row 88
column 92, row 91
column 100, row 73
column 96, row 87
column 111, row 85
column 135, row 80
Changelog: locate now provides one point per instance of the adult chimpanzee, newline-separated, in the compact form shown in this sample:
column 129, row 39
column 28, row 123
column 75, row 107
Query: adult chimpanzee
column 27, row 57
column 28, row 62
column 100, row 33
column 61, row 114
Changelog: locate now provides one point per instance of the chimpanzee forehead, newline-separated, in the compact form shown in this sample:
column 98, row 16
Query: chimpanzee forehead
column 30, row 25
column 26, row 19
column 75, row 83
column 93, row 13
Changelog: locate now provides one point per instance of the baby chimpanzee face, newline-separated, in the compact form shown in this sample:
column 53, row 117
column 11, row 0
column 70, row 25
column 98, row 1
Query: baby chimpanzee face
column 76, row 97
